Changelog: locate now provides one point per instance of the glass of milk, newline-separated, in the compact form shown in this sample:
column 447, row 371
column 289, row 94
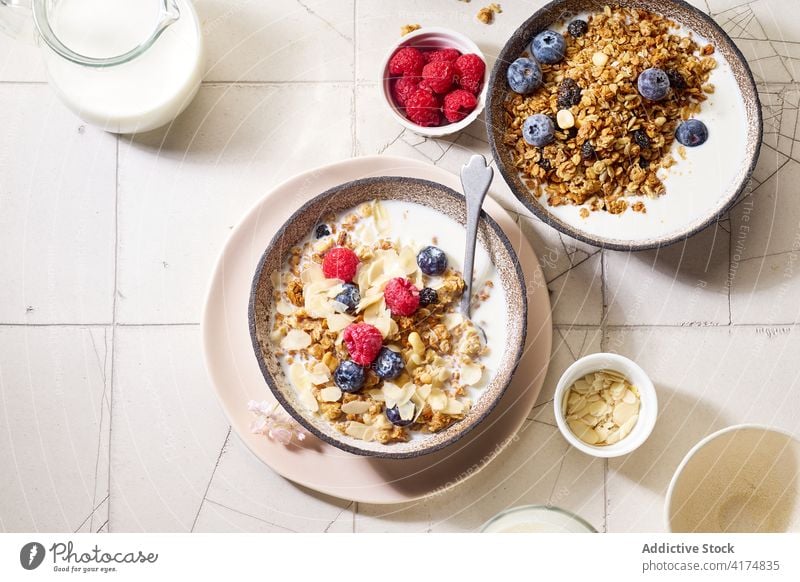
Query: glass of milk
column 127, row 66
column 536, row 519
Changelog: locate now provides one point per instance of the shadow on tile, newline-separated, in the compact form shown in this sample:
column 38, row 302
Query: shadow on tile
column 683, row 421
column 702, row 257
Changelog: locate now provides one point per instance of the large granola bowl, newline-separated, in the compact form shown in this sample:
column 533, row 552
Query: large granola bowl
column 663, row 192
column 422, row 198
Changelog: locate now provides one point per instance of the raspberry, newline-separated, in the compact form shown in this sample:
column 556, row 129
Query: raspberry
column 469, row 72
column 340, row 263
column 458, row 104
column 407, row 61
column 438, row 76
column 403, row 88
column 363, row 342
column 422, row 107
column 402, row 298
column 448, row 54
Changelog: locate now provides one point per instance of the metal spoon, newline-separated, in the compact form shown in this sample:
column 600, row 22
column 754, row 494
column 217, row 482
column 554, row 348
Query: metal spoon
column 476, row 176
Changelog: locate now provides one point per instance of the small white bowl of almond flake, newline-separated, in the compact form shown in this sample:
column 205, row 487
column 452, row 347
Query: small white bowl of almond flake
column 605, row 405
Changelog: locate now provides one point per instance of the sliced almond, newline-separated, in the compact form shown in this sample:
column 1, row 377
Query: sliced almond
column 437, row 400
column 284, row 307
column 598, row 408
column 296, row 339
column 356, row 407
column 471, row 374
column 338, row 321
column 406, row 410
column 300, row 377
column 626, row 428
column 583, row 432
column 356, row 430
column 320, row 374
column 312, row 273
column 330, row 394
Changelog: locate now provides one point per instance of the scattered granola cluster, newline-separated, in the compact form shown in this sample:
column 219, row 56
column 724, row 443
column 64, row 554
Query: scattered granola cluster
column 486, row 14
column 375, row 346
column 607, row 141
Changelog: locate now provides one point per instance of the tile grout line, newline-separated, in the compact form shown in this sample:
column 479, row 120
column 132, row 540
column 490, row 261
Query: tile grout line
column 603, row 347
column 250, row 515
column 113, row 327
column 103, row 402
column 211, row 478
column 354, row 121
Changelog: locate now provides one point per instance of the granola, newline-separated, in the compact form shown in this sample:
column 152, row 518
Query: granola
column 486, row 14
column 610, row 144
column 440, row 351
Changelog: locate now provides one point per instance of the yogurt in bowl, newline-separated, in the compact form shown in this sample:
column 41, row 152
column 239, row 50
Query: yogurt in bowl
column 354, row 317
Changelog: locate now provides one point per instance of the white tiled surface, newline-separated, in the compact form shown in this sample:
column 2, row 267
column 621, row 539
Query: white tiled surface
column 107, row 419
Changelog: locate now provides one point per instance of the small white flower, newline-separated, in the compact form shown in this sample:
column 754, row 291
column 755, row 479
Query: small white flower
column 273, row 422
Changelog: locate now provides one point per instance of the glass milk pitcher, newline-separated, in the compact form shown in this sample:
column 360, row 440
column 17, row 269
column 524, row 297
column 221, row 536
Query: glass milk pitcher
column 126, row 66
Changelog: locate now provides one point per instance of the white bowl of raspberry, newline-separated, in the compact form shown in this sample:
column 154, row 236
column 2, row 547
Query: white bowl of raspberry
column 434, row 81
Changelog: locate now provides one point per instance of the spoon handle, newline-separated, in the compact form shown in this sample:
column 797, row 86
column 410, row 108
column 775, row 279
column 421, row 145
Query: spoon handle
column 476, row 176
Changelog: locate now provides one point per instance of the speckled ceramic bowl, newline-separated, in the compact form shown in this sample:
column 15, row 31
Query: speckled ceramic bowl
column 684, row 210
column 348, row 196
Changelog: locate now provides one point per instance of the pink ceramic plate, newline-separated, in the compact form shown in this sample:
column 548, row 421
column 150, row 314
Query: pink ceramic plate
column 236, row 376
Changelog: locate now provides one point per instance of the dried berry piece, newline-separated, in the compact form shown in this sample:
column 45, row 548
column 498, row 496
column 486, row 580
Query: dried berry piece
column 587, row 151
column 676, row 80
column 428, row 296
column 643, row 163
column 569, row 94
column 577, row 28
column 641, row 138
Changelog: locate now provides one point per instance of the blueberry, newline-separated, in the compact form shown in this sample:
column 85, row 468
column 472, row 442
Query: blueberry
column 577, row 28
column 548, row 47
column 653, row 84
column 349, row 297
column 349, row 376
column 322, row 230
column 692, row 133
column 524, row 76
column 388, row 364
column 538, row 130
column 393, row 414
column 432, row 260
column 428, row 296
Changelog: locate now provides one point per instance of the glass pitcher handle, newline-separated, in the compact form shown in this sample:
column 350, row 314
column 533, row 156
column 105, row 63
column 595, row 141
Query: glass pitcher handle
column 168, row 14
